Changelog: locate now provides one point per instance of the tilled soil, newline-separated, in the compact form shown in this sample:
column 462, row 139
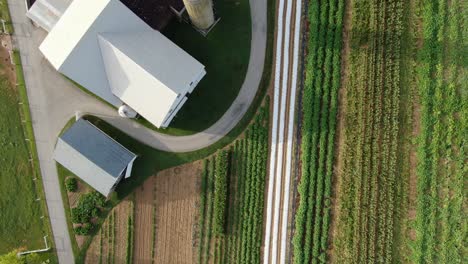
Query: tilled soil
column 177, row 195
column 144, row 199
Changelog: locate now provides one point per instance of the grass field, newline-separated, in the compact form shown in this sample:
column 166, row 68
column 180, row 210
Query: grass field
column 5, row 15
column 20, row 215
column 225, row 53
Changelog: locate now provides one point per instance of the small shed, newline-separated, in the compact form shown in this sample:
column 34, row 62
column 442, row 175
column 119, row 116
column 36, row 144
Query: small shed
column 94, row 156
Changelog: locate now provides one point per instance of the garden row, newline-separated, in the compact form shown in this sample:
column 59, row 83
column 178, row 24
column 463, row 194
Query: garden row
column 232, row 198
column 370, row 176
column 114, row 241
column 319, row 111
column 441, row 225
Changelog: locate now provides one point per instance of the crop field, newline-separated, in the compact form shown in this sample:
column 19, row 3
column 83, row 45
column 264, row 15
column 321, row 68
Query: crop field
column 237, row 176
column 319, row 110
column 441, row 224
column 370, row 178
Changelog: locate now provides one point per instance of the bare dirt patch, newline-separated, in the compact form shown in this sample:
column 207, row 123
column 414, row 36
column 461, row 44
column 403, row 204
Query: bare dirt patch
column 7, row 69
column 144, row 199
column 177, row 197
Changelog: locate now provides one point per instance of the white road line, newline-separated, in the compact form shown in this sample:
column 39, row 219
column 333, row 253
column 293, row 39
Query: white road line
column 292, row 105
column 266, row 249
column 279, row 153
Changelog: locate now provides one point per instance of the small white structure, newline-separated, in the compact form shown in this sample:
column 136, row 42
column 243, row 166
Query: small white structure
column 46, row 13
column 106, row 48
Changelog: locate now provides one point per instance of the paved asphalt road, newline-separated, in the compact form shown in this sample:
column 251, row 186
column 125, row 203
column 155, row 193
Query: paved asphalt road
column 54, row 100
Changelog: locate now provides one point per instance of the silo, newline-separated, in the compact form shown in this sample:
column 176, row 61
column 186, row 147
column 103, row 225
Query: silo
column 200, row 12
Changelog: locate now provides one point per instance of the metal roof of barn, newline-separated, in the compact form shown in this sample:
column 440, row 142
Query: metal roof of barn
column 92, row 155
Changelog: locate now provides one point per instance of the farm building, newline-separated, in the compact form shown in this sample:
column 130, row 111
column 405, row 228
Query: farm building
column 106, row 48
column 93, row 156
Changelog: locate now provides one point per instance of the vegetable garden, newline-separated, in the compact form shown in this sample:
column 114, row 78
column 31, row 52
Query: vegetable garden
column 233, row 185
column 319, row 110
column 441, row 225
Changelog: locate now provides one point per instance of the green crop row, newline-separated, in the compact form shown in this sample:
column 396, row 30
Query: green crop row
column 220, row 191
column 243, row 168
column 319, row 110
column 202, row 210
column 440, row 222
column 130, row 233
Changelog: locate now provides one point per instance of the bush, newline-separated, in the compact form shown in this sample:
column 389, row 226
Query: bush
column 71, row 184
column 84, row 229
column 79, row 215
column 87, row 207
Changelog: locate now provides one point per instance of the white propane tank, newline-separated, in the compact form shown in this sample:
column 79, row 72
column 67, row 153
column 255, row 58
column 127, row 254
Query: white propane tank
column 127, row 112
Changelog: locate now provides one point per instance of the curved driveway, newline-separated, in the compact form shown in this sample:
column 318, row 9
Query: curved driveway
column 233, row 115
column 54, row 100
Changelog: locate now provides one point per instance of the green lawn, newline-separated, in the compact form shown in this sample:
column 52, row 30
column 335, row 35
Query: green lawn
column 21, row 226
column 5, row 14
column 19, row 214
column 20, row 222
column 225, row 53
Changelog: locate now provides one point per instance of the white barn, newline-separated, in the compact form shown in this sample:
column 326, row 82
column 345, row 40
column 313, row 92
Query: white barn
column 103, row 46
column 93, row 156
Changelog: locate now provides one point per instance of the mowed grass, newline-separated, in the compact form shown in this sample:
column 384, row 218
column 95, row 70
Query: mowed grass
column 225, row 53
column 20, row 223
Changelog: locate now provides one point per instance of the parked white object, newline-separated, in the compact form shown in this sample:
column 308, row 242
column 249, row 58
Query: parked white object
column 127, row 111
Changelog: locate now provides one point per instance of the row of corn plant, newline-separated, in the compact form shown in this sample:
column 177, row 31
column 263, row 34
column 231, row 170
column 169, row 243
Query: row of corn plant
column 319, row 110
column 130, row 232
